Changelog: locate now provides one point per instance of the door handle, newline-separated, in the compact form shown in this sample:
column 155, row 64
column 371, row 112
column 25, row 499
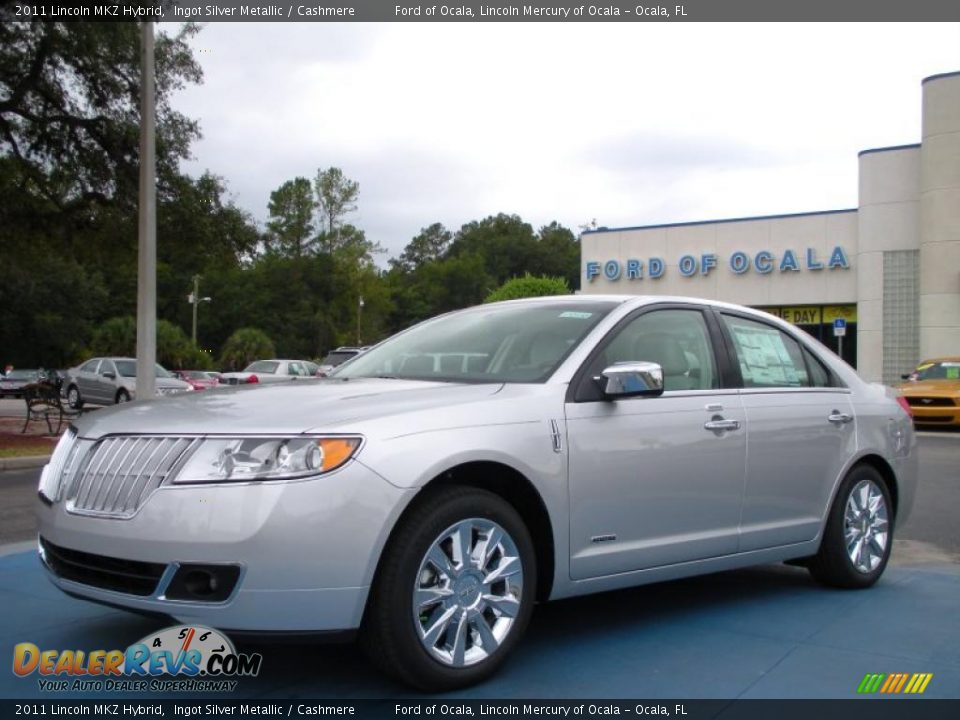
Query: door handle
column 721, row 425
column 840, row 418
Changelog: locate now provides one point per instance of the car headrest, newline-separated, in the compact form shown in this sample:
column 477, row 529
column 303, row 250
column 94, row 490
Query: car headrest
column 663, row 349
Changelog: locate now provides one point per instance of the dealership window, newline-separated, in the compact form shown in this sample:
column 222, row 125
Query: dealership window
column 818, row 321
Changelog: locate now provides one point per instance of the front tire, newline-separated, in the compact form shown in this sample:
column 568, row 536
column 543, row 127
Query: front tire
column 74, row 399
column 859, row 533
column 454, row 592
column 123, row 397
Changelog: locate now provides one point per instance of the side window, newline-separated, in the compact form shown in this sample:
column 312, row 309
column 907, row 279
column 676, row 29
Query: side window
column 819, row 375
column 90, row 366
column 677, row 340
column 107, row 366
column 768, row 357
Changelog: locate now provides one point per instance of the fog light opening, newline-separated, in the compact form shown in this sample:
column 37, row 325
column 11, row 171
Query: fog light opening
column 200, row 583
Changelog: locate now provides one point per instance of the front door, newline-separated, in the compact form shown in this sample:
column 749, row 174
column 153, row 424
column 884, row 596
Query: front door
column 655, row 481
column 87, row 378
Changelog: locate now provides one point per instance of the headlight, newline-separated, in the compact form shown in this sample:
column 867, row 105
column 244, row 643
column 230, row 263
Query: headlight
column 265, row 458
column 52, row 472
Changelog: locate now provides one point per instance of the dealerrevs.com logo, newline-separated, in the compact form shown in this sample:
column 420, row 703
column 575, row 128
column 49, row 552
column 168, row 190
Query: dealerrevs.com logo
column 182, row 658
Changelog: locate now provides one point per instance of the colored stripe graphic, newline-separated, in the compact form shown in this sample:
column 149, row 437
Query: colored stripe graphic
column 918, row 683
column 870, row 683
column 894, row 683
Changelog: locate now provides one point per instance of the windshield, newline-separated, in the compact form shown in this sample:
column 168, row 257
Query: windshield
column 22, row 375
column 496, row 343
column 128, row 368
column 947, row 370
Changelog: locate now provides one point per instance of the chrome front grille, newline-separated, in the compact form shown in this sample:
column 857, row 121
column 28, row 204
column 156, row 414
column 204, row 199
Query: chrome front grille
column 117, row 474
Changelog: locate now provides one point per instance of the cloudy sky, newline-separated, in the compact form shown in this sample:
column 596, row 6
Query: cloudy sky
column 628, row 124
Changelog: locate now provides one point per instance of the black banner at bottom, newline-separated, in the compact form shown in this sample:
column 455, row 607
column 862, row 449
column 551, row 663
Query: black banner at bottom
column 853, row 709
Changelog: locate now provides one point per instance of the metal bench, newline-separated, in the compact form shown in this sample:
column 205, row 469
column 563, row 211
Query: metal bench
column 44, row 402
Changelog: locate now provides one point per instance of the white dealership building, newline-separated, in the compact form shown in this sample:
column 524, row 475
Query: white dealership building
column 887, row 272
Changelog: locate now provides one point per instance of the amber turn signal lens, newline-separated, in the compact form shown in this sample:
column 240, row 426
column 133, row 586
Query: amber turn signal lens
column 336, row 451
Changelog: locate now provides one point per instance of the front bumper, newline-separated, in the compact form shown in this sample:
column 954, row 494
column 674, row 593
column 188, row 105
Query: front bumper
column 936, row 415
column 307, row 550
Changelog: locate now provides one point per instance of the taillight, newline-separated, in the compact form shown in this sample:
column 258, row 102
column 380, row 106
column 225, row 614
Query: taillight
column 902, row 402
column 253, row 379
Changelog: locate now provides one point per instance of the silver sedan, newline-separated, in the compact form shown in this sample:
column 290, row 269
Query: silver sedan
column 433, row 489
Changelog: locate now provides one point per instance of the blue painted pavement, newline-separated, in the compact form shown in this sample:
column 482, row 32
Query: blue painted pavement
column 767, row 632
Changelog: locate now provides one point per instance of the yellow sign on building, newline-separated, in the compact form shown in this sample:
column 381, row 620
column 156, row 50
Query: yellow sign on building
column 814, row 314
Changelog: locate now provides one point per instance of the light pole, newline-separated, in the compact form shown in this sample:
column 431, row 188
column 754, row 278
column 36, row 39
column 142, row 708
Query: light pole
column 359, row 311
column 147, row 235
column 195, row 299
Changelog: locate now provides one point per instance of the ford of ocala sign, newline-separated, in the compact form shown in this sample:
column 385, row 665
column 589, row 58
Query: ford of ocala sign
column 739, row 262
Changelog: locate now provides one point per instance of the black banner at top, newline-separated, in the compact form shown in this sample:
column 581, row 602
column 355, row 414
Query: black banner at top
column 491, row 11
column 494, row 709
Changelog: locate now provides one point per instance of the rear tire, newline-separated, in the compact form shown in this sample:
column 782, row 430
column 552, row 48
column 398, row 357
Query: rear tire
column 472, row 604
column 859, row 533
column 74, row 398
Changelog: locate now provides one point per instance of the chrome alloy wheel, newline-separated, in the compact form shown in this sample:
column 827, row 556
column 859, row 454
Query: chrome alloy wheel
column 866, row 526
column 467, row 593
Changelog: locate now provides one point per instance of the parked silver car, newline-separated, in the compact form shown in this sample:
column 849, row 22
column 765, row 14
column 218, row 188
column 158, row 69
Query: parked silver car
column 269, row 371
column 113, row 380
column 434, row 488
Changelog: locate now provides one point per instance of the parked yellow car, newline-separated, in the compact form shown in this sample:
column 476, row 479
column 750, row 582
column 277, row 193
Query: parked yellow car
column 933, row 391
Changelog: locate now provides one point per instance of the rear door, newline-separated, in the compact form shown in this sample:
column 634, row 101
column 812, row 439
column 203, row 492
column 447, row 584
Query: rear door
column 800, row 430
column 655, row 481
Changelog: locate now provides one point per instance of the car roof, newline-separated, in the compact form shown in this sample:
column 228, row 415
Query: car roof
column 949, row 358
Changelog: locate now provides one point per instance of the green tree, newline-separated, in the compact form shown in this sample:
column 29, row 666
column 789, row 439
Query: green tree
column 336, row 197
column 558, row 254
column 174, row 349
column 529, row 286
column 290, row 225
column 117, row 336
column 70, row 109
column 49, row 303
column 429, row 246
column 506, row 244
column 245, row 346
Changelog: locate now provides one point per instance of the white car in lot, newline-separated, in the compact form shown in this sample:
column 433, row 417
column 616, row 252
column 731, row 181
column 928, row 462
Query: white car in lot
column 434, row 488
column 269, row 371
column 113, row 380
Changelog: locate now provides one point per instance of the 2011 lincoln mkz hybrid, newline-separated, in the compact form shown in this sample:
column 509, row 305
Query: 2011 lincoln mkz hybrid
column 432, row 489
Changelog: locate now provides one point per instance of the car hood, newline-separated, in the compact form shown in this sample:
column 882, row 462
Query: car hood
column 310, row 405
column 931, row 387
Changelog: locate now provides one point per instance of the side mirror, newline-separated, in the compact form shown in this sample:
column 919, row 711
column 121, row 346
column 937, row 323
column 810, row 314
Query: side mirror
column 632, row 379
column 110, row 375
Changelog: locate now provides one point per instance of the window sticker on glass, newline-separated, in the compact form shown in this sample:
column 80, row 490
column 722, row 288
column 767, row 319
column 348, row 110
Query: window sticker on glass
column 764, row 359
column 577, row 315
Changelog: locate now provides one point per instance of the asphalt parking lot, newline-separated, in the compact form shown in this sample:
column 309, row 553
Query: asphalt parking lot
column 766, row 632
